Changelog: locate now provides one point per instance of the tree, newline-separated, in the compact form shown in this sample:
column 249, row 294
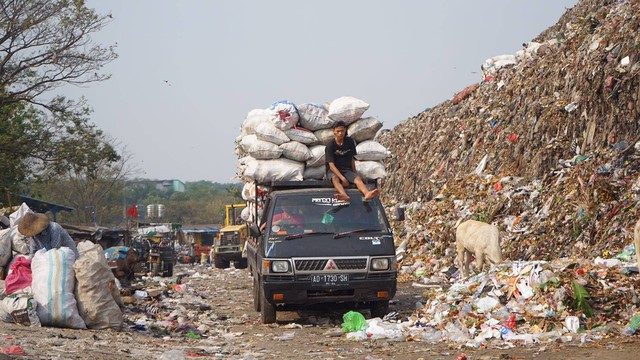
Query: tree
column 45, row 44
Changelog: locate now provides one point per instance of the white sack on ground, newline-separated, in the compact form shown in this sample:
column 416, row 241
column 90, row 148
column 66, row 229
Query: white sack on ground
column 317, row 156
column 314, row 173
column 314, row 117
column 275, row 170
column 286, row 114
column 263, row 150
column 19, row 309
column 247, row 141
column 296, row 151
column 325, row 137
column 53, row 283
column 19, row 243
column 301, row 135
column 268, row 132
column 5, row 246
column 371, row 150
column 254, row 118
column 347, row 109
column 364, row 129
column 371, row 170
column 97, row 302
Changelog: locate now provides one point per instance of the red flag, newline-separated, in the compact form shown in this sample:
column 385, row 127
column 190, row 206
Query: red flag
column 133, row 211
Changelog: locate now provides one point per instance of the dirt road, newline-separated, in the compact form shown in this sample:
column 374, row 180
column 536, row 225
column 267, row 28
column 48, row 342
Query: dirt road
column 210, row 315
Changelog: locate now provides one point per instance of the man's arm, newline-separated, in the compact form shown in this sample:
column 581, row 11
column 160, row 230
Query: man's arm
column 67, row 241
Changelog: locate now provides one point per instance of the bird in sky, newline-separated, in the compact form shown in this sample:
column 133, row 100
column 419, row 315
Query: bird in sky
column 167, row 81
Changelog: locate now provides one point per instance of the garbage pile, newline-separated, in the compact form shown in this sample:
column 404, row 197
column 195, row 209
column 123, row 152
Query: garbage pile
column 546, row 147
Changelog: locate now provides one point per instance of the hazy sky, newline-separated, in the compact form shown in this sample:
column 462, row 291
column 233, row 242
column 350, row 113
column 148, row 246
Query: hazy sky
column 189, row 71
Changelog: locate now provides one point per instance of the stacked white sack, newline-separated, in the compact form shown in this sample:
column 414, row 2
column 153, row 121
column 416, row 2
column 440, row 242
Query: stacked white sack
column 286, row 142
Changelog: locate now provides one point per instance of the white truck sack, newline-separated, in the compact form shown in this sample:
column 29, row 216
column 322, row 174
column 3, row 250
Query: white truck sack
column 371, row 170
column 347, row 109
column 301, row 135
column 249, row 191
column 255, row 117
column 246, row 142
column 268, row 132
column 296, row 151
column 317, row 156
column 275, row 170
column 371, row 150
column 314, row 117
column 263, row 150
column 53, row 283
column 325, row 136
column 97, row 293
column 364, row 129
column 314, row 173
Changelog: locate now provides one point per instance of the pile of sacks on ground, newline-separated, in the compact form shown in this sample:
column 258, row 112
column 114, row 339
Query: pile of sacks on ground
column 287, row 142
column 54, row 288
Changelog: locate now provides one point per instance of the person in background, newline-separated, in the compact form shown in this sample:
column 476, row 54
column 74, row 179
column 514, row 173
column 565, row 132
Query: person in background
column 341, row 164
column 44, row 234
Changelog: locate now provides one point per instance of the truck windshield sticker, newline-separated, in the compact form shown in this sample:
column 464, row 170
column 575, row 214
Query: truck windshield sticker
column 329, row 201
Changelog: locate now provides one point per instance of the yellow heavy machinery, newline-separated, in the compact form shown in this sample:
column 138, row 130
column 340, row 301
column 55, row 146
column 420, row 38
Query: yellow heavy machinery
column 231, row 240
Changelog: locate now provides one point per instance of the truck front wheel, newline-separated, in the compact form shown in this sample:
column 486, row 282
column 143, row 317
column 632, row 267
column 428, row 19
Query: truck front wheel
column 267, row 309
column 380, row 308
column 242, row 263
column 219, row 262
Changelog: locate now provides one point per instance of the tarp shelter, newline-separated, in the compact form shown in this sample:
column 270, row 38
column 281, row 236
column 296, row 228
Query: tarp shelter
column 42, row 206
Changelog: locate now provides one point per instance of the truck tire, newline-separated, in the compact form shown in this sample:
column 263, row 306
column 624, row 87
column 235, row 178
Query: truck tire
column 219, row 262
column 256, row 294
column 379, row 308
column 155, row 269
column 267, row 309
column 242, row 263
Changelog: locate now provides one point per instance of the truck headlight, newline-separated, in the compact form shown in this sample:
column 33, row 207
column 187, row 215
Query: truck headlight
column 380, row 264
column 279, row 266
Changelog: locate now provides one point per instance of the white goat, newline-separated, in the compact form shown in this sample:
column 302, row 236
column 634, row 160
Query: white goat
column 480, row 239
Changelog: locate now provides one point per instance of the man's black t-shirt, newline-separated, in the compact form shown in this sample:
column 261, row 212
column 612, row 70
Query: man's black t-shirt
column 341, row 156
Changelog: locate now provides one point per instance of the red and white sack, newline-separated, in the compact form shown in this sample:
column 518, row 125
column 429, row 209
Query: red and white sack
column 296, row 151
column 268, row 132
column 285, row 114
column 364, row 129
column 314, row 117
column 347, row 109
column 371, row 150
column 53, row 285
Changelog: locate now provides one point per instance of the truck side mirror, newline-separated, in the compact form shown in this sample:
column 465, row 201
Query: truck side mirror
column 254, row 230
column 398, row 213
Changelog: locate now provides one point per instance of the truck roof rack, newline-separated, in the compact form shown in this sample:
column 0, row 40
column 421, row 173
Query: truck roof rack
column 305, row 184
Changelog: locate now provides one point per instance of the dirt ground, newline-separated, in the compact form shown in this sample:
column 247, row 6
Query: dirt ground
column 219, row 304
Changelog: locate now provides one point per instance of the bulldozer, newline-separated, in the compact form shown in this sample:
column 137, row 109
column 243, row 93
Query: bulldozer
column 230, row 244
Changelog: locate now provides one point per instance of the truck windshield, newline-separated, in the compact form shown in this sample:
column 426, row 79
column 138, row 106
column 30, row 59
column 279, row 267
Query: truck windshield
column 311, row 213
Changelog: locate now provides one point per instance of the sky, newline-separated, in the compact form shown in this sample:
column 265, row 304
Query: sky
column 189, row 71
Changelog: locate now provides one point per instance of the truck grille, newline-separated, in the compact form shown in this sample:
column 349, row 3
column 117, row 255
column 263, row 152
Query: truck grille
column 228, row 239
column 341, row 264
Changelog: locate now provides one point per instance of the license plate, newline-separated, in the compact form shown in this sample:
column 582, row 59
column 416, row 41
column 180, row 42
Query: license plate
column 330, row 279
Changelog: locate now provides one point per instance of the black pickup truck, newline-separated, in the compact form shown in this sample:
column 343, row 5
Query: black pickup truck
column 310, row 248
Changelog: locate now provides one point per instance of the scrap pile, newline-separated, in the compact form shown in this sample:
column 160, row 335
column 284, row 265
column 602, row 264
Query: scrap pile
column 546, row 146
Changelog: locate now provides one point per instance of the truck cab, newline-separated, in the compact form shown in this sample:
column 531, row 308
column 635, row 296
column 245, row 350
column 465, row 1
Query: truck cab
column 310, row 248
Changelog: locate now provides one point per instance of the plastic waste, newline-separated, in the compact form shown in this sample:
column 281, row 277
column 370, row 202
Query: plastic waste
column 353, row 321
column 173, row 355
column 633, row 326
column 572, row 323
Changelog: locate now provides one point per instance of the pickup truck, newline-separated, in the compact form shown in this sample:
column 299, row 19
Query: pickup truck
column 322, row 251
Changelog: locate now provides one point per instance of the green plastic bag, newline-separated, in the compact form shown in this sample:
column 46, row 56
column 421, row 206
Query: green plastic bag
column 353, row 321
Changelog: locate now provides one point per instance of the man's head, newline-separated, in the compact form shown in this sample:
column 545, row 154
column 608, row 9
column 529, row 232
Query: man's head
column 33, row 224
column 339, row 130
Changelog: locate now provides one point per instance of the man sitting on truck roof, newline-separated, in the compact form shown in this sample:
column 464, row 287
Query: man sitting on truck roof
column 341, row 164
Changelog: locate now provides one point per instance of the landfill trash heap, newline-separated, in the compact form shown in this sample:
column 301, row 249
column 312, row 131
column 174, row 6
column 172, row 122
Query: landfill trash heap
column 545, row 146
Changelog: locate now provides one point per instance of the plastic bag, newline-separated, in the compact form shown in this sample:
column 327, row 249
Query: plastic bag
column 353, row 321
